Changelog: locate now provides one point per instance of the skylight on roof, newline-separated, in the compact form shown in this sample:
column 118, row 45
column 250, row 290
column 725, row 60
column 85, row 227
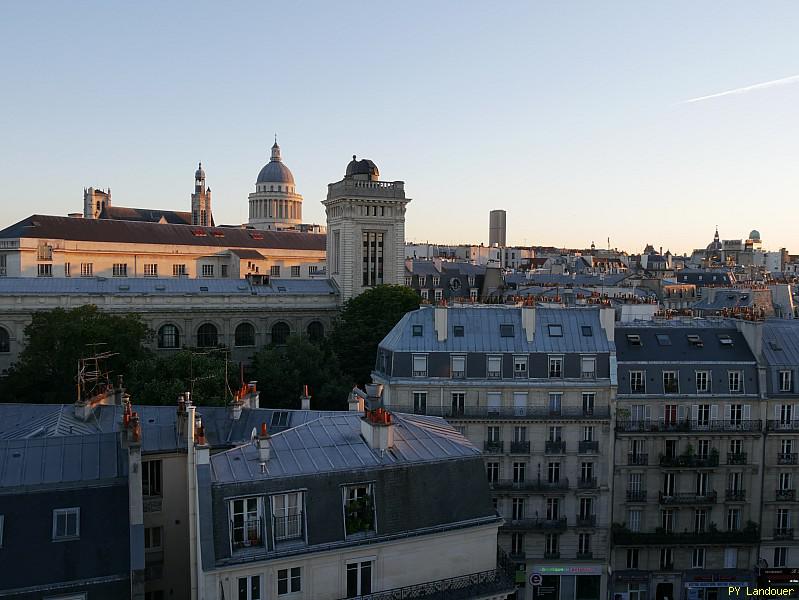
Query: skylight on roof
column 695, row 340
column 256, row 236
column 417, row 331
column 458, row 330
column 280, row 418
column 555, row 330
column 506, row 330
column 587, row 330
column 634, row 339
column 725, row 340
column 774, row 345
column 663, row 339
column 198, row 232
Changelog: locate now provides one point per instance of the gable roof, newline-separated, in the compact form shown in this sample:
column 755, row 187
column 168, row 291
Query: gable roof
column 140, row 232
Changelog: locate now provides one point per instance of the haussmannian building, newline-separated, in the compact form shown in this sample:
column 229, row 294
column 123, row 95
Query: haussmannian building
column 533, row 388
column 688, row 471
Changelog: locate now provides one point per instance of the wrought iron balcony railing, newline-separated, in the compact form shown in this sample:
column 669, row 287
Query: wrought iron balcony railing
column 554, row 447
column 636, row 495
column 785, row 495
column 289, row 527
column 506, row 412
column 587, row 483
column 246, row 533
column 735, row 495
column 532, row 485
column 639, row 459
column 783, row 533
column 587, row 447
column 736, row 458
column 494, row 447
column 783, row 425
column 689, row 461
column 520, row 447
column 586, row 521
column 708, row 497
column 787, row 458
column 660, row 426
column 535, row 524
column 626, row 537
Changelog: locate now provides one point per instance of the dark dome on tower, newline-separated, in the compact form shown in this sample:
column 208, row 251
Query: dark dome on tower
column 362, row 167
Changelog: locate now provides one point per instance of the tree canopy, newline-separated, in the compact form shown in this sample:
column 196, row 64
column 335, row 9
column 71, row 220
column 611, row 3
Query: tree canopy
column 56, row 340
column 282, row 371
column 365, row 320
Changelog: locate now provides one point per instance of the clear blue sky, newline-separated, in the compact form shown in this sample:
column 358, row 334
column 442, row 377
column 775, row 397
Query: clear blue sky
column 570, row 115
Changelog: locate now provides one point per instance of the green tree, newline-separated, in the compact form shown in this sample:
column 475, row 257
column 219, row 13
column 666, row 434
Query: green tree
column 56, row 340
column 282, row 371
column 365, row 320
column 159, row 379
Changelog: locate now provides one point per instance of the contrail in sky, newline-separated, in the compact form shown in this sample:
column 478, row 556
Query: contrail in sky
column 748, row 88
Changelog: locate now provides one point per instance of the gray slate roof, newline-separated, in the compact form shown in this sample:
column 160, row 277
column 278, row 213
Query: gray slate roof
column 781, row 342
column 162, row 286
column 482, row 332
column 333, row 442
column 58, row 460
column 680, row 349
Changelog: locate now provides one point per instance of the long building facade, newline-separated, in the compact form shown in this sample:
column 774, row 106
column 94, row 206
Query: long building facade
column 533, row 388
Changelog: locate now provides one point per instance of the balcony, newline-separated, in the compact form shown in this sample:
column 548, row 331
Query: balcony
column 486, row 584
column 586, row 521
column 520, row 447
column 690, row 461
column 535, row 524
column 689, row 498
column 625, row 537
column 557, row 447
column 517, row 556
column 783, row 533
column 735, row 495
column 588, row 447
column 587, row 483
column 661, row 426
column 780, row 425
column 789, row 495
column 494, row 446
column 530, row 485
column 787, row 458
column 288, row 528
column 507, row 412
column 736, row 458
column 636, row 495
column 246, row 533
column 640, row 460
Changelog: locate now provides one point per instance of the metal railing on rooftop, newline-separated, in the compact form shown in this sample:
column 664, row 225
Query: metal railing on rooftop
column 781, row 425
column 505, row 412
column 657, row 426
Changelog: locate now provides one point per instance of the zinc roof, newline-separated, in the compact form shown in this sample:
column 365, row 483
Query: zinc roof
column 333, row 442
column 781, row 342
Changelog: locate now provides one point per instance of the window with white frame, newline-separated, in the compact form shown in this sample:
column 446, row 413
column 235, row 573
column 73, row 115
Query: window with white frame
column 555, row 399
column 420, row 403
column 494, row 367
column 67, row 270
column 519, row 469
column 520, row 366
column 86, row 269
column 274, row 270
column 584, row 543
column 666, row 558
column 698, row 558
column 153, row 539
column 458, row 402
column 295, row 271
column 66, row 523
column 734, row 378
column 359, row 578
column 437, row 295
column 555, row 367
column 458, row 366
column 289, row 581
column 287, row 516
column 249, row 588
column 553, row 472
column 733, row 519
column 588, row 367
column 637, row 382
column 425, row 295
column 151, row 478
column 702, row 382
column 246, row 527
column 420, row 365
column 551, row 544
column 179, row 271
column 588, row 403
column 670, row 382
column 637, row 591
column 634, row 519
column 632, row 558
column 492, row 471
column 359, row 508
column 44, row 270
column 473, row 295
column 780, row 556
column 786, row 381
column 150, row 270
column 208, row 270
column 120, row 270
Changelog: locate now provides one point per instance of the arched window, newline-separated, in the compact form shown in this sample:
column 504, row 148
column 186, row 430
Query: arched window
column 168, row 336
column 207, row 336
column 316, row 331
column 5, row 340
column 245, row 335
column 280, row 333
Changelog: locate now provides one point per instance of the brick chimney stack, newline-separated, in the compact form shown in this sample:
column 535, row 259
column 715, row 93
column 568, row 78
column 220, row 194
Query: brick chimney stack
column 305, row 399
column 377, row 426
column 264, row 444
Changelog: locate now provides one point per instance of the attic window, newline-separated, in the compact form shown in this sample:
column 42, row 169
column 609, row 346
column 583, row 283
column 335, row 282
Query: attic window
column 218, row 234
column 774, row 345
column 203, row 288
column 280, row 418
column 506, row 330
column 457, row 331
column 198, row 232
column 256, row 236
column 695, row 340
column 663, row 339
column 587, row 331
column 633, row 339
column 725, row 340
column 280, row 288
column 555, row 330
column 417, row 331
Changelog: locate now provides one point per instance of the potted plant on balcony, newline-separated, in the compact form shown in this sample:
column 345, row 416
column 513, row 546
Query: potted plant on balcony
column 359, row 515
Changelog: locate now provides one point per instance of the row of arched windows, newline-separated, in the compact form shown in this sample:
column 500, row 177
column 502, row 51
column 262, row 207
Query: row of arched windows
column 244, row 335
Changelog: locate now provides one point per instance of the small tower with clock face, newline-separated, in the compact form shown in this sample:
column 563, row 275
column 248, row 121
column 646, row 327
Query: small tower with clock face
column 201, row 200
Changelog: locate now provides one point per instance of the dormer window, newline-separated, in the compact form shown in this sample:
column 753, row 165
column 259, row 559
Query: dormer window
column 725, row 340
column 359, row 509
column 633, row 339
column 695, row 340
column 417, row 331
column 587, row 330
column 246, row 523
column 555, row 330
column 457, row 331
column 287, row 517
column 506, row 330
column 663, row 339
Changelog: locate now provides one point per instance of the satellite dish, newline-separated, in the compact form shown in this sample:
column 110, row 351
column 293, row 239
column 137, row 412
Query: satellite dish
column 254, row 434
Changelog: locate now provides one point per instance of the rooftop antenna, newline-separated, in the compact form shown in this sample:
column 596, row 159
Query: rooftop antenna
column 91, row 379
